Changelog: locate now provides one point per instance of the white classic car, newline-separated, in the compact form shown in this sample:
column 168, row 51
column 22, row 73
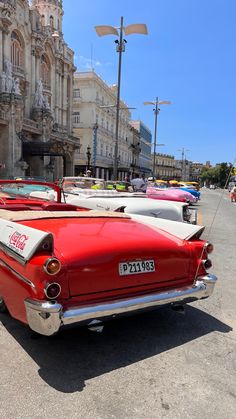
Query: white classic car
column 77, row 191
column 131, row 204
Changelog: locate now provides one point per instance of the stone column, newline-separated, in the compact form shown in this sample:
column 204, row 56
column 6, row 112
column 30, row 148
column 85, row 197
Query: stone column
column 6, row 42
column 32, row 84
column 57, row 96
column 65, row 99
column 1, row 50
column 61, row 97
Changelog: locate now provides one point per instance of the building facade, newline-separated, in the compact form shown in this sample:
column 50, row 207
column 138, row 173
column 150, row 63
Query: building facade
column 94, row 123
column 195, row 170
column 165, row 167
column 145, row 159
column 36, row 71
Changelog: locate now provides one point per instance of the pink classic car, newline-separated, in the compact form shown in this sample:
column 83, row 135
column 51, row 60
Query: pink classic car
column 170, row 194
column 62, row 265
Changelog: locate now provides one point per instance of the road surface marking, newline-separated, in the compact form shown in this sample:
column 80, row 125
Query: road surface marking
column 199, row 218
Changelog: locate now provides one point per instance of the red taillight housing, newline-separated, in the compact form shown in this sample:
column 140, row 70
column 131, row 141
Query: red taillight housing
column 207, row 263
column 52, row 266
column 52, row 291
column 209, row 247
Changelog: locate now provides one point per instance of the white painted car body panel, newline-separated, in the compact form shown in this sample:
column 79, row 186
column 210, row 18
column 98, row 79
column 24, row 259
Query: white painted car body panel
column 134, row 205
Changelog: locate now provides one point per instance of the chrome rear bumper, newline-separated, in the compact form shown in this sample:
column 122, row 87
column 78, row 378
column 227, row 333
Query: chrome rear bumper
column 46, row 317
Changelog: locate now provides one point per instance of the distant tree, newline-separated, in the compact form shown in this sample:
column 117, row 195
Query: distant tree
column 218, row 175
column 224, row 173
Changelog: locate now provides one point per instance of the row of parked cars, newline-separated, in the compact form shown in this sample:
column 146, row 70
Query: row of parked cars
column 77, row 254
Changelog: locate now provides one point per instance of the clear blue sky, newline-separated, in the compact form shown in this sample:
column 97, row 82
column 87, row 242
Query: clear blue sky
column 188, row 57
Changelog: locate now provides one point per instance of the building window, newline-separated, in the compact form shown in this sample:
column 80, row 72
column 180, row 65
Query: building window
column 45, row 71
column 16, row 50
column 77, row 93
column 76, row 118
column 43, row 20
column 51, row 22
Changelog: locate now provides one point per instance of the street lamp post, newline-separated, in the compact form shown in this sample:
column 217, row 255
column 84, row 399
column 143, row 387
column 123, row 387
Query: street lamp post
column 183, row 161
column 102, row 30
column 156, row 111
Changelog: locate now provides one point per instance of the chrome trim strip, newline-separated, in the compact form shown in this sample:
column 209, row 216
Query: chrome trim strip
column 19, row 276
column 13, row 254
column 47, row 317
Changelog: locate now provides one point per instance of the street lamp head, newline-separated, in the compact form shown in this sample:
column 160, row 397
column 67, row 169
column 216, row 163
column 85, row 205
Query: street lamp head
column 103, row 30
column 136, row 28
column 158, row 102
column 164, row 102
column 149, row 103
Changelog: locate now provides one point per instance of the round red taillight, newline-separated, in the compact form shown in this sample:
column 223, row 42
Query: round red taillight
column 207, row 263
column 209, row 247
column 52, row 266
column 52, row 290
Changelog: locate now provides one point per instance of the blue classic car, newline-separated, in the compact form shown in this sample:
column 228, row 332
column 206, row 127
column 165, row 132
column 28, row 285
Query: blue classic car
column 193, row 192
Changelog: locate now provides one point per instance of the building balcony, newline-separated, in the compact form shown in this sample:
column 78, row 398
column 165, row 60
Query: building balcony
column 62, row 129
column 31, row 126
column 77, row 99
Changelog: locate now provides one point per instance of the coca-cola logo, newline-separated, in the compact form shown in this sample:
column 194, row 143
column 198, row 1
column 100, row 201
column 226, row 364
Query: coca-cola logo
column 18, row 241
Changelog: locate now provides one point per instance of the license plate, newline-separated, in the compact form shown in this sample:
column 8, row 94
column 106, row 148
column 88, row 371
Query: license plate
column 136, row 267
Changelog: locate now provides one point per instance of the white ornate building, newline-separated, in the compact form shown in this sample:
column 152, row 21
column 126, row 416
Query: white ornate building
column 94, row 121
column 36, row 78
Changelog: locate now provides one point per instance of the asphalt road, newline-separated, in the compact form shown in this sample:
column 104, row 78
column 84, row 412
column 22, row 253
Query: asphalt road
column 157, row 365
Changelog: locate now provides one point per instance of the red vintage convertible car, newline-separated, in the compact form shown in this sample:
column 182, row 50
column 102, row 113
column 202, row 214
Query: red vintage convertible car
column 63, row 265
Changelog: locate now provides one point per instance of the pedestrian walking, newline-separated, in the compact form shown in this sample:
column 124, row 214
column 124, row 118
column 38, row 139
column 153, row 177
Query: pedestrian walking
column 233, row 194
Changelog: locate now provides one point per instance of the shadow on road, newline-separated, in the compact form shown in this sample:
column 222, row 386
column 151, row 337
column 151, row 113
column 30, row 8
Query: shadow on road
column 73, row 356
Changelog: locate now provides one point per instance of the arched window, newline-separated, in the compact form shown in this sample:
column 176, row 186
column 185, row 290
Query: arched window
column 45, row 71
column 17, row 57
column 51, row 22
column 43, row 20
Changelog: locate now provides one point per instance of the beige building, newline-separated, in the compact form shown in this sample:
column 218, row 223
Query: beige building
column 36, row 77
column 165, row 167
column 94, row 123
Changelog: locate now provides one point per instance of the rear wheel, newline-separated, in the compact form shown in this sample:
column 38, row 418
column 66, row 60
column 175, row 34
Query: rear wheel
column 3, row 307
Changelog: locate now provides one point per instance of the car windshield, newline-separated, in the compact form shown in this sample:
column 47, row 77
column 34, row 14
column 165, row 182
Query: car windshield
column 27, row 190
column 71, row 183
